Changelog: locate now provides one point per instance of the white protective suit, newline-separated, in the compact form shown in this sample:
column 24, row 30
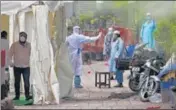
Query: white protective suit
column 74, row 42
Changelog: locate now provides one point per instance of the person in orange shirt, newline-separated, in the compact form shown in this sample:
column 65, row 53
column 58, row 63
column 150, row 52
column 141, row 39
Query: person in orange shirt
column 20, row 51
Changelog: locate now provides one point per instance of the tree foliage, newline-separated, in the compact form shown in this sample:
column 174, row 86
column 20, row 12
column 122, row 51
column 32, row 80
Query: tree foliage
column 166, row 33
column 120, row 4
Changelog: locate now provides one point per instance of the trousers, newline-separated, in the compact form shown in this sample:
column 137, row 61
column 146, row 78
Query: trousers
column 119, row 76
column 26, row 75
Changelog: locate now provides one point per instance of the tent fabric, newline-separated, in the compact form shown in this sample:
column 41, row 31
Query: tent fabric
column 13, row 7
column 45, row 83
column 63, row 65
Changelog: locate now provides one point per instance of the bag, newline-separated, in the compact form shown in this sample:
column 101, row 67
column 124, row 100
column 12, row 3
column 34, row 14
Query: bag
column 123, row 63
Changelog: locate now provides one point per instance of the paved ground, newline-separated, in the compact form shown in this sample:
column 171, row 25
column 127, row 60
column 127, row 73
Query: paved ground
column 91, row 97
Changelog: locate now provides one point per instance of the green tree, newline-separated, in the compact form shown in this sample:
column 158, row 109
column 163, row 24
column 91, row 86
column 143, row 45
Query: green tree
column 166, row 33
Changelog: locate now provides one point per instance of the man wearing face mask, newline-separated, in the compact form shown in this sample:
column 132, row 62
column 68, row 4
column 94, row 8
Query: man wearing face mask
column 74, row 43
column 20, row 51
column 147, row 30
column 117, row 51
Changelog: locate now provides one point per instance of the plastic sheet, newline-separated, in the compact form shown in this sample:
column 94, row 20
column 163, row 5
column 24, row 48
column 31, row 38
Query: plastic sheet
column 156, row 98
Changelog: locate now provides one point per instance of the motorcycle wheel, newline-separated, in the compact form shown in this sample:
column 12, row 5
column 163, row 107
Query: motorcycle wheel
column 134, row 85
column 151, row 89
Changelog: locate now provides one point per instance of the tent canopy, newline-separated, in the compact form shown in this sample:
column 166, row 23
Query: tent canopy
column 13, row 7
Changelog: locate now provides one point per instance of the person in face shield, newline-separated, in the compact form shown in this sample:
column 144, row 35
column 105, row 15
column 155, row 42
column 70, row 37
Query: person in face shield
column 107, row 46
column 107, row 43
column 74, row 43
column 147, row 30
column 19, row 56
column 117, row 51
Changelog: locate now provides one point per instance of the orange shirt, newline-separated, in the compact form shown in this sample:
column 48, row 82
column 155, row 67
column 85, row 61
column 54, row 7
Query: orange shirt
column 20, row 54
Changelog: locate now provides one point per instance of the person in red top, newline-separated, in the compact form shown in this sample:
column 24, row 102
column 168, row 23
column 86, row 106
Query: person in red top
column 4, row 64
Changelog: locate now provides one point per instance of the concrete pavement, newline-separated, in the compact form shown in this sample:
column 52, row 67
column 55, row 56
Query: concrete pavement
column 91, row 97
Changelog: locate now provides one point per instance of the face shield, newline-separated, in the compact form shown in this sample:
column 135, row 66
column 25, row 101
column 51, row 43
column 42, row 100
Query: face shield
column 110, row 31
column 116, row 35
column 76, row 29
column 148, row 16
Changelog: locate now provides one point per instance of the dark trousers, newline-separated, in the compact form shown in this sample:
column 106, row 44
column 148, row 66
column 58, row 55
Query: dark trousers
column 26, row 75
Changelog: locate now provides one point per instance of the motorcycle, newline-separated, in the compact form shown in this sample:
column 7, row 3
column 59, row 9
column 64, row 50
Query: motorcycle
column 141, row 54
column 149, row 82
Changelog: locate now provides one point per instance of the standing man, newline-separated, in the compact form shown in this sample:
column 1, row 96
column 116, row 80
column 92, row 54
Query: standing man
column 107, row 47
column 74, row 43
column 147, row 31
column 117, row 52
column 19, row 56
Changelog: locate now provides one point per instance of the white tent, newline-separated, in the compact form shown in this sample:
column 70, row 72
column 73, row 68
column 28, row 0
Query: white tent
column 32, row 18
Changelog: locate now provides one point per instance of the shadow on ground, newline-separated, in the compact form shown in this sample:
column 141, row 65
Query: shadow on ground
column 104, row 98
column 121, row 95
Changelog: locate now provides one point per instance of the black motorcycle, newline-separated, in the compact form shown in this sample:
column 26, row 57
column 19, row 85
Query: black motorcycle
column 140, row 56
column 149, row 82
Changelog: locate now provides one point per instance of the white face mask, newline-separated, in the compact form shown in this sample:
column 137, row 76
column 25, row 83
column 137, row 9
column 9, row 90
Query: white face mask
column 22, row 39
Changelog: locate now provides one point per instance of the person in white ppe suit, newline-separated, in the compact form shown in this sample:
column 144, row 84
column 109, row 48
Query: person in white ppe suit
column 74, row 43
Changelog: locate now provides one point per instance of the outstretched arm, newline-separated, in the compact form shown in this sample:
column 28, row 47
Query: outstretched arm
column 87, row 39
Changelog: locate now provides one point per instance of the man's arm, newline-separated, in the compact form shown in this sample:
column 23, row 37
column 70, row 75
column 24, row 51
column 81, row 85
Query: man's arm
column 87, row 39
column 120, row 49
column 154, row 25
column 11, row 53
